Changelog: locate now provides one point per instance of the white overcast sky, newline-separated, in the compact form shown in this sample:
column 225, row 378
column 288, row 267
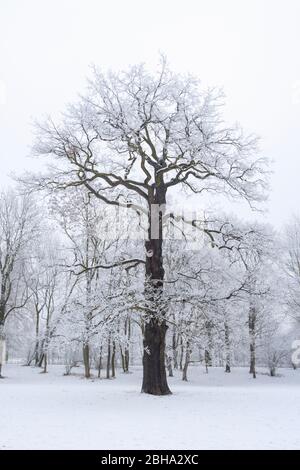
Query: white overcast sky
column 248, row 47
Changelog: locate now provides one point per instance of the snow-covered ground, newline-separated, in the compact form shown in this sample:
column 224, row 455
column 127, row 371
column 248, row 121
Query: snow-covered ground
column 211, row 411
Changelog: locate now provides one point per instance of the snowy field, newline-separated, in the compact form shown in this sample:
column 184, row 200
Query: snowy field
column 214, row 411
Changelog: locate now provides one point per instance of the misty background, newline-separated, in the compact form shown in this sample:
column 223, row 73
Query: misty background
column 249, row 48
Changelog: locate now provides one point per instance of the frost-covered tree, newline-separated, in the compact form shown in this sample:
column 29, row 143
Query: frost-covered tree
column 96, row 260
column 257, row 256
column 18, row 230
column 291, row 263
column 130, row 141
column 43, row 283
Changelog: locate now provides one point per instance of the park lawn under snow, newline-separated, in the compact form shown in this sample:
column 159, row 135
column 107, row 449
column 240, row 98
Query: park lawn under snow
column 211, row 411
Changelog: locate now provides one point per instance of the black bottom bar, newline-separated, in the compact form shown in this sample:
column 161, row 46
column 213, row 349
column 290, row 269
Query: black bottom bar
column 137, row 458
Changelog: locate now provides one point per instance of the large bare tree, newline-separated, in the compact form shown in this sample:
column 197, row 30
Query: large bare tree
column 132, row 139
column 18, row 230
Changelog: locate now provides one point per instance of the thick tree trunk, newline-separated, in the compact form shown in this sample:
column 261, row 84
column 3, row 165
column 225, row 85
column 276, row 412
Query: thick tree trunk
column 154, row 369
column 154, row 377
column 86, row 360
column 45, row 369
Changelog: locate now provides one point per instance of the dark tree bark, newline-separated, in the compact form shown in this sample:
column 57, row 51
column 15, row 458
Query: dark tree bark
column 113, row 360
column 186, row 363
column 37, row 342
column 174, row 348
column 41, row 360
column 208, row 352
column 45, row 369
column 108, row 361
column 154, row 377
column 122, row 359
column 1, row 338
column 227, row 349
column 86, row 360
column 100, row 363
column 126, row 360
column 206, row 359
column 252, row 334
column 252, row 361
column 154, row 369
column 2, row 335
column 126, row 354
column 181, row 355
column 46, row 340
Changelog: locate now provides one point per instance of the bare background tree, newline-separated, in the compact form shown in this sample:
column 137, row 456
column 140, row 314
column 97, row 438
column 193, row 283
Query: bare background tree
column 18, row 229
